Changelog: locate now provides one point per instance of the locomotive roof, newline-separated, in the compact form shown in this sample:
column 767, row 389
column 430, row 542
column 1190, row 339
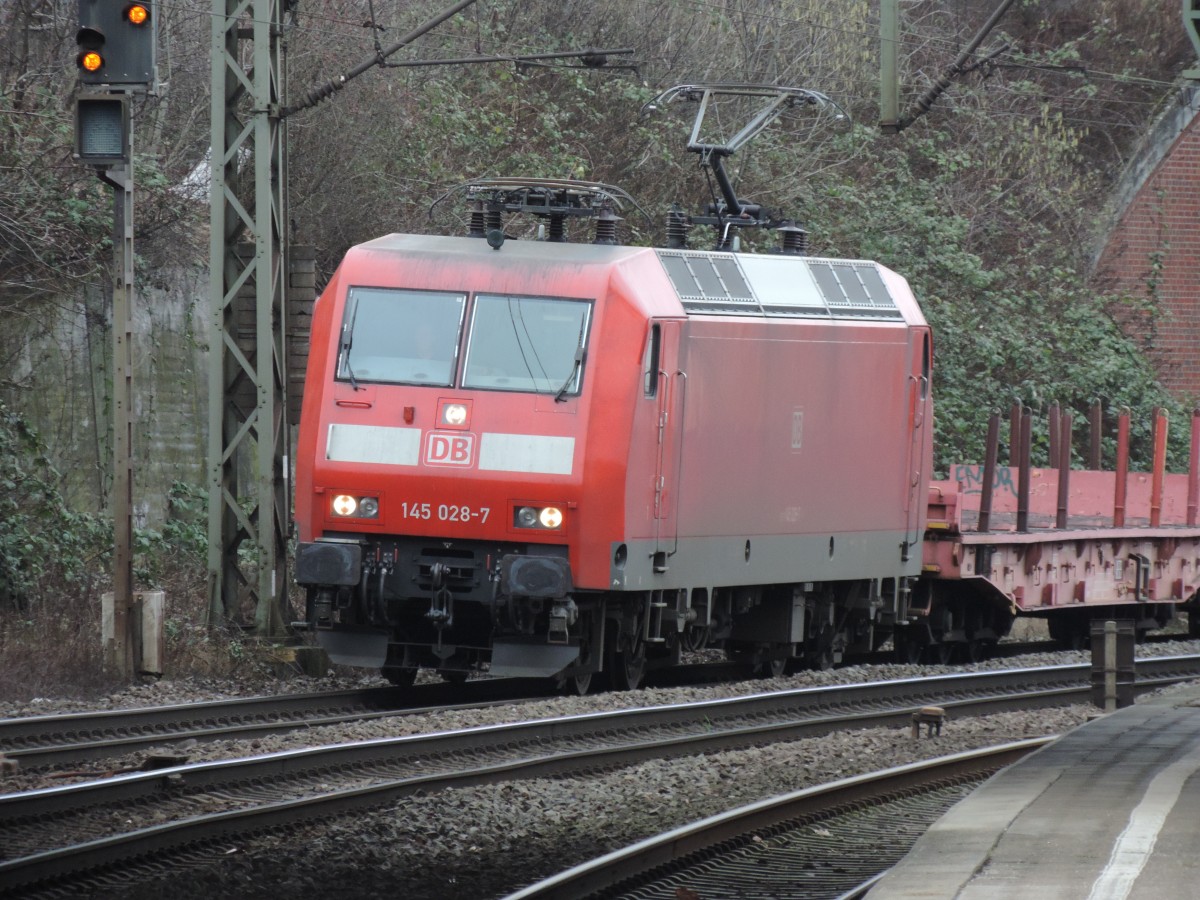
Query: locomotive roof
column 784, row 285
column 705, row 282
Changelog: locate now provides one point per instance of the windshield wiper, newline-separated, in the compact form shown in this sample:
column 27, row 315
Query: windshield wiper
column 347, row 340
column 560, row 397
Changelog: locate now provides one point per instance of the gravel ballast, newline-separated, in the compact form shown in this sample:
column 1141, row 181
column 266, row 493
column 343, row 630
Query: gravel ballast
column 486, row 842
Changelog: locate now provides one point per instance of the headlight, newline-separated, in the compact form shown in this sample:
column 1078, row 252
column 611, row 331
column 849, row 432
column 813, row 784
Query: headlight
column 454, row 414
column 344, row 506
column 549, row 518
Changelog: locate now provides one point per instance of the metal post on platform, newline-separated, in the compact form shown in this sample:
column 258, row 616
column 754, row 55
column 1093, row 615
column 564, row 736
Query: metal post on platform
column 1110, row 666
column 1113, row 671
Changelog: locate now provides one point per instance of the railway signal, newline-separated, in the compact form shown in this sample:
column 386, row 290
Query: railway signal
column 116, row 60
column 116, row 44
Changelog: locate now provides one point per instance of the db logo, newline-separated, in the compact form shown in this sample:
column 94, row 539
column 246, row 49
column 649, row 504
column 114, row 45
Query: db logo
column 443, row 449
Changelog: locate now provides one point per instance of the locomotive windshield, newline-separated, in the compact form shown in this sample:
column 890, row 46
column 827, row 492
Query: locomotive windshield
column 527, row 344
column 408, row 337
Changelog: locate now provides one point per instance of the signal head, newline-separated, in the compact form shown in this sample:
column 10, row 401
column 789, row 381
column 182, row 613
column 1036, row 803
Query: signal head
column 116, row 42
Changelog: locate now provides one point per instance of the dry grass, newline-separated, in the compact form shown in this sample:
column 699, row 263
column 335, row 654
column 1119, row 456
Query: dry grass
column 52, row 648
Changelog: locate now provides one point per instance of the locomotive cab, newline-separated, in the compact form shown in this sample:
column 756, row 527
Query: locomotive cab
column 435, row 520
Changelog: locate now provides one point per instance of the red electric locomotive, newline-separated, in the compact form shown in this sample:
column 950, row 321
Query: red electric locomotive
column 569, row 458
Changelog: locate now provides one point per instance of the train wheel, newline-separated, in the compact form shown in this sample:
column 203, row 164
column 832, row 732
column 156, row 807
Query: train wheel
column 771, row 660
column 695, row 637
column 400, row 676
column 978, row 650
column 908, row 650
column 773, row 668
column 820, row 660
column 575, row 685
column 578, row 684
column 941, row 653
column 628, row 664
column 454, row 676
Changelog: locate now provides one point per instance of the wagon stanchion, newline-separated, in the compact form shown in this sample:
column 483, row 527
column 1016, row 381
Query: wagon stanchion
column 1055, row 417
column 1161, row 422
column 1014, row 435
column 1096, row 436
column 1121, row 485
column 989, row 472
column 1064, row 470
column 1193, row 484
column 1023, row 471
column 1154, row 413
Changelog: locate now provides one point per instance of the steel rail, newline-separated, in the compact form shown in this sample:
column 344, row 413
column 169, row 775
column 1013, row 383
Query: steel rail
column 61, row 739
column 52, row 867
column 892, row 700
column 627, row 864
column 69, row 738
column 64, row 738
column 803, row 712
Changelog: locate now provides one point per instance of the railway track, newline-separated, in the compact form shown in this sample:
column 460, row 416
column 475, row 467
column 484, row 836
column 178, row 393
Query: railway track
column 40, row 742
column 64, row 740
column 61, row 740
column 828, row 841
column 95, row 829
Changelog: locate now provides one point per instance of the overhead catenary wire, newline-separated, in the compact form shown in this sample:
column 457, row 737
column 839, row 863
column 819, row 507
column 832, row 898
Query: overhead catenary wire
column 927, row 99
column 504, row 53
column 315, row 96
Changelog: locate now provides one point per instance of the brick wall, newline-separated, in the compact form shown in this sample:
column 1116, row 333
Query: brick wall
column 1153, row 251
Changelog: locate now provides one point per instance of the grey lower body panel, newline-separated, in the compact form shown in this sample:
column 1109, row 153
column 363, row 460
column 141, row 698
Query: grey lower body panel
column 769, row 559
column 366, row 649
column 519, row 659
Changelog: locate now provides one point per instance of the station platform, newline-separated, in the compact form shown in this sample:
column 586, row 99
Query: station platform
column 1109, row 811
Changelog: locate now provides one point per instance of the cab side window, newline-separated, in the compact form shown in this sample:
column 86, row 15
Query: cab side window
column 650, row 362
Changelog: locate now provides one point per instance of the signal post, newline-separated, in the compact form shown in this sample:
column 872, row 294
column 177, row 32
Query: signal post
column 116, row 60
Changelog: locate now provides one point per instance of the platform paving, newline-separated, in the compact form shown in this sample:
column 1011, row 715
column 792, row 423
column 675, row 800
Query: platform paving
column 1109, row 811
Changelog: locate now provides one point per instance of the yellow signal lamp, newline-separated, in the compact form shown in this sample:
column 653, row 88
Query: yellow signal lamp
column 137, row 14
column 90, row 61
